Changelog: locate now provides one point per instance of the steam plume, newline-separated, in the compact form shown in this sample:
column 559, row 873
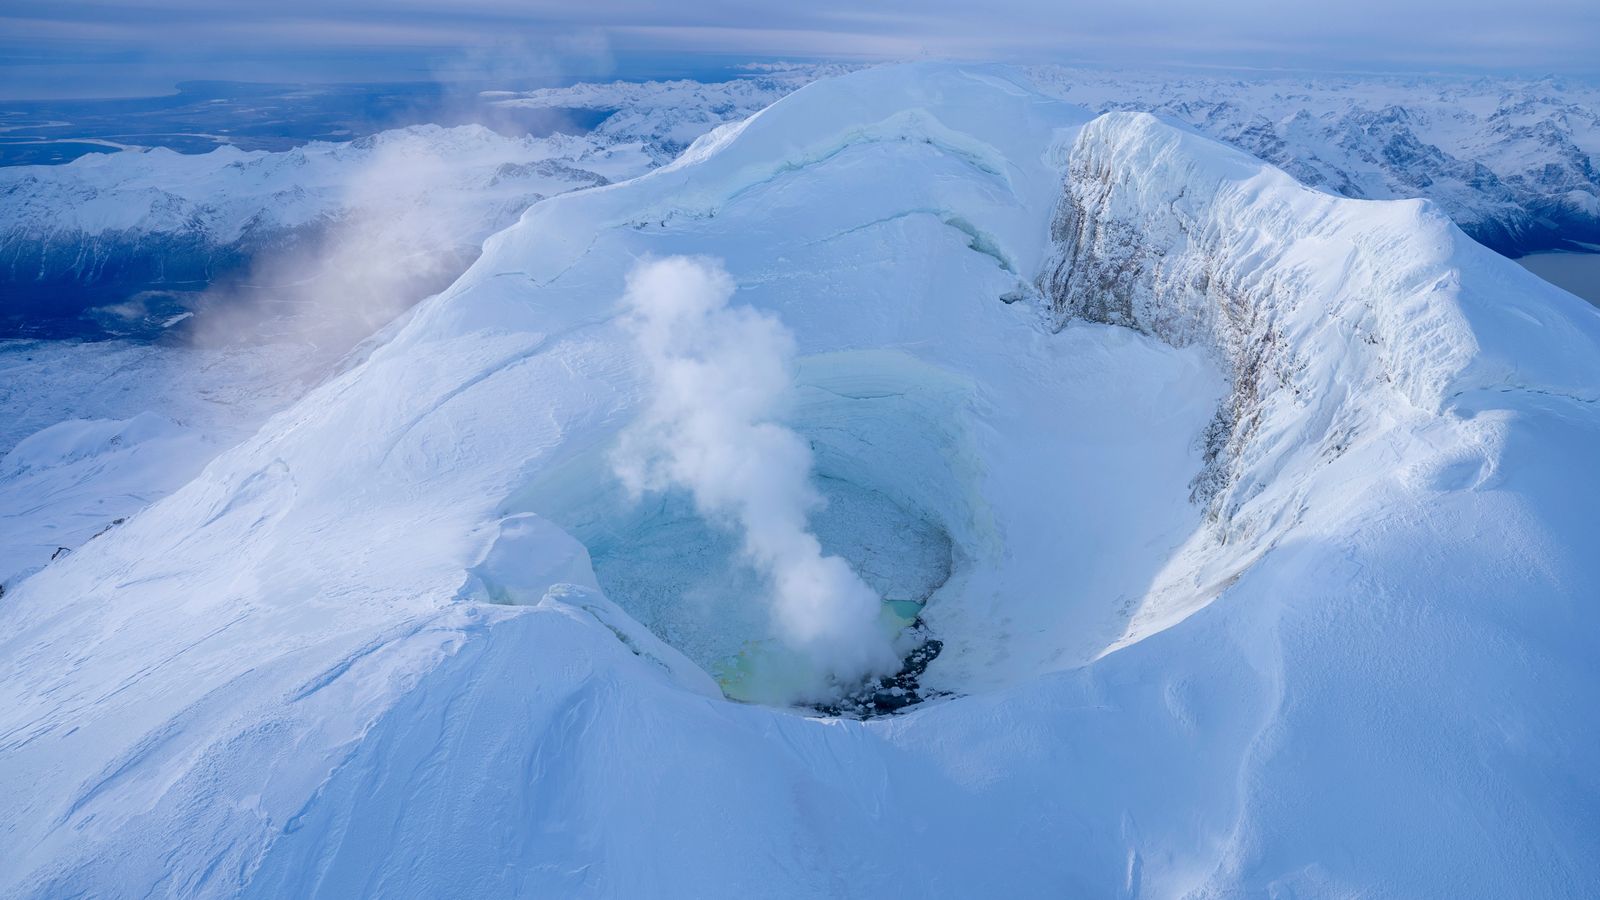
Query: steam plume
column 718, row 375
column 405, row 228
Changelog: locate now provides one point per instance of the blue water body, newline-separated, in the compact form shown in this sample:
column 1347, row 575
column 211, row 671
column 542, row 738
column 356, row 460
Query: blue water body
column 1578, row 273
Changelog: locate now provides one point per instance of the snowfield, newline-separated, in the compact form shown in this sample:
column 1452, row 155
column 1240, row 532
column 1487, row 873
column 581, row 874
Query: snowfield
column 1257, row 525
column 95, row 432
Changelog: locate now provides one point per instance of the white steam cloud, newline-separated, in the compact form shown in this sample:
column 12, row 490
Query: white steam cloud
column 403, row 226
column 718, row 376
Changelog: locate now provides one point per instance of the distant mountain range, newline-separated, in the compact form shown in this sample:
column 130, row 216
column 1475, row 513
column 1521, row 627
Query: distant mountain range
column 1513, row 163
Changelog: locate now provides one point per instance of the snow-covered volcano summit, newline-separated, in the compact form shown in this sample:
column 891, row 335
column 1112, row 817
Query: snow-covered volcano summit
column 1256, row 526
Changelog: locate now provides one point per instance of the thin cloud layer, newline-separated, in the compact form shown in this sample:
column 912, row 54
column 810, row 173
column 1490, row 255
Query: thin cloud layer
column 171, row 40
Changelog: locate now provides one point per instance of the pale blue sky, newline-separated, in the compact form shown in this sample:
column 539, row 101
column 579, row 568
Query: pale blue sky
column 82, row 47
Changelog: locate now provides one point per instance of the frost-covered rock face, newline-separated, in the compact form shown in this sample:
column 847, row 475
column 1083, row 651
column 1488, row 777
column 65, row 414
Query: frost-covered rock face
column 1197, row 246
column 397, row 642
column 1195, row 268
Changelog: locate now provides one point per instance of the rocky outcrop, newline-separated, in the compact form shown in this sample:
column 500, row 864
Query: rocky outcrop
column 1305, row 299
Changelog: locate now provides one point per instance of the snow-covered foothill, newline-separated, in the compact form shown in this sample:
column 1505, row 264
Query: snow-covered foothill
column 226, row 193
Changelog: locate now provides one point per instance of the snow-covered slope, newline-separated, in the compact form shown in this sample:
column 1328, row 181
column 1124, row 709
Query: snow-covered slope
column 1516, row 163
column 95, row 432
column 1265, row 512
column 330, row 240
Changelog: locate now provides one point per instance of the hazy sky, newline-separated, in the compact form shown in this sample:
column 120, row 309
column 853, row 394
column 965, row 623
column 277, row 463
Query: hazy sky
column 116, row 47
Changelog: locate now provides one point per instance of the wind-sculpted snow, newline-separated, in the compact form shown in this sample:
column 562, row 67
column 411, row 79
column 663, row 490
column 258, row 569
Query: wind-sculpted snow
column 1204, row 246
column 158, row 413
column 394, row 643
column 1164, row 232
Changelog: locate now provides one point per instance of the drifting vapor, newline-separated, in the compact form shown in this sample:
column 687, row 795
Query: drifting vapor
column 718, row 374
column 404, row 228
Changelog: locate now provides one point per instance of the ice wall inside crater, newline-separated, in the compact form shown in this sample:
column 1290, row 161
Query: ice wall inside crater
column 1330, row 337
